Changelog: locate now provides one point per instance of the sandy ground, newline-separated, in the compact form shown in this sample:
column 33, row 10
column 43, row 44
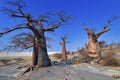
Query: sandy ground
column 67, row 73
column 61, row 71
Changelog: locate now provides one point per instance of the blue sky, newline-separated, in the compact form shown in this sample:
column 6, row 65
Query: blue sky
column 93, row 13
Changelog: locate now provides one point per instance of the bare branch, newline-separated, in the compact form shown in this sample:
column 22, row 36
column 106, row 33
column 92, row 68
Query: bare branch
column 53, row 27
column 87, row 29
column 44, row 18
column 9, row 11
column 16, row 15
column 13, row 29
column 22, row 41
column 106, row 27
column 20, row 9
column 16, row 9
column 64, row 37
column 101, row 32
column 48, row 38
column 62, row 19
column 110, row 21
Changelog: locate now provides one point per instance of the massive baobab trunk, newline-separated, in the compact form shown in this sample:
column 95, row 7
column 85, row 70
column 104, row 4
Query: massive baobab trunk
column 43, row 58
column 93, row 46
column 35, row 53
column 64, row 52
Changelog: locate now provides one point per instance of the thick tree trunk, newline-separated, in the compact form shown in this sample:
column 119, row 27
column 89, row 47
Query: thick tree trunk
column 43, row 58
column 94, row 52
column 35, row 56
column 64, row 53
column 93, row 49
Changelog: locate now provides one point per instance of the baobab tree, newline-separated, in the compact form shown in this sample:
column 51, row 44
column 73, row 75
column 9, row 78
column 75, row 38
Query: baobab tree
column 63, row 44
column 38, row 27
column 93, row 46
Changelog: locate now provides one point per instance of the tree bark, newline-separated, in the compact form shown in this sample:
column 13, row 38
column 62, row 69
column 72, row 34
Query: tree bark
column 35, row 53
column 43, row 58
column 64, row 52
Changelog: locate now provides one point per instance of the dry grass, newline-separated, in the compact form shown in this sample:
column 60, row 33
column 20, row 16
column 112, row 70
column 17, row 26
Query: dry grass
column 111, row 60
column 79, row 59
column 27, row 59
column 9, row 61
column 57, row 56
column 80, row 56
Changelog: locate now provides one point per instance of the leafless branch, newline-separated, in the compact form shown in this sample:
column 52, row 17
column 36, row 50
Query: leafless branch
column 106, row 27
column 62, row 19
column 103, row 31
column 87, row 29
column 12, row 29
column 48, row 38
column 16, row 9
column 64, row 37
column 20, row 42
column 53, row 27
column 44, row 18
column 110, row 21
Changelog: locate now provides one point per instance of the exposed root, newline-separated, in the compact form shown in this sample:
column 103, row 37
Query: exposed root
column 30, row 68
column 27, row 70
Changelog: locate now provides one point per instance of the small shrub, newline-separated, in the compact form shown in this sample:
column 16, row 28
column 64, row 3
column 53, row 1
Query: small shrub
column 79, row 59
column 57, row 55
column 111, row 60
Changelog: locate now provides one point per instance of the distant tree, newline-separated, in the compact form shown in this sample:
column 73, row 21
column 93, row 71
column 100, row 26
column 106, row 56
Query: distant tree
column 38, row 27
column 63, row 44
column 93, row 46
